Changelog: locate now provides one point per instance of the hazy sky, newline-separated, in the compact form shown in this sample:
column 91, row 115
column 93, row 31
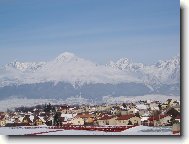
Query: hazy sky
column 100, row 30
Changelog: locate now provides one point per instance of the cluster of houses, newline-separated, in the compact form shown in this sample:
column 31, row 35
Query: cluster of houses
column 148, row 113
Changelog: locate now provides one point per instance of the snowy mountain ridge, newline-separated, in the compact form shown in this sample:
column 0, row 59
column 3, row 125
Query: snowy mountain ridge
column 68, row 67
column 166, row 72
column 24, row 66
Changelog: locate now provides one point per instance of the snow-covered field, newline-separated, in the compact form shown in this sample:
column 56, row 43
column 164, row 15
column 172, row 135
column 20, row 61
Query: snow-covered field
column 17, row 102
column 152, row 97
column 139, row 130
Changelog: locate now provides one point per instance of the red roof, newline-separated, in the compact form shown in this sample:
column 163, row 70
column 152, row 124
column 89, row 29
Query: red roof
column 156, row 117
column 85, row 115
column 1, row 117
column 105, row 117
column 178, row 117
column 125, row 117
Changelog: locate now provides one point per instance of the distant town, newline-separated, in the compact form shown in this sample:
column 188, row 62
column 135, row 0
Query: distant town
column 145, row 113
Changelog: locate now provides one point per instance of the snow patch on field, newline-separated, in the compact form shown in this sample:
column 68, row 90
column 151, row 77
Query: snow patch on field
column 139, row 130
column 20, row 130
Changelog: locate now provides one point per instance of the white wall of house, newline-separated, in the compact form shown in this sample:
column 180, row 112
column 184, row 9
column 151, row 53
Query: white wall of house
column 101, row 122
column 165, row 120
column 112, row 121
column 124, row 112
column 2, row 123
column 77, row 121
column 134, row 120
column 162, row 121
column 133, row 111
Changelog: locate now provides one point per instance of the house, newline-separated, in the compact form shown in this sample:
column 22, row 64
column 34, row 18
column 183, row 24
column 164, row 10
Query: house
column 177, row 108
column 130, row 119
column 77, row 121
column 133, row 110
column 160, row 120
column 38, row 121
column 131, row 105
column 115, row 111
column 64, row 109
column 154, row 106
column 76, row 110
column 2, row 120
column 177, row 118
column 106, row 120
column 6, row 116
column 27, row 120
column 18, row 119
column 103, row 108
column 144, row 119
column 92, row 109
column 65, row 118
column 123, row 109
column 164, row 106
column 170, row 103
column 88, row 118
column 143, row 109
column 68, row 117
column 49, row 120
column 123, row 112
column 85, row 108
column 172, row 111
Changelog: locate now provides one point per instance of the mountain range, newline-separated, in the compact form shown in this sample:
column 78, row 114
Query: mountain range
column 68, row 75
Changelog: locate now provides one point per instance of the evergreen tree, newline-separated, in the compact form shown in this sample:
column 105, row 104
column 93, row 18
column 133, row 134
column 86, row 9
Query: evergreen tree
column 57, row 119
column 130, row 123
column 124, row 105
column 137, row 114
column 48, row 108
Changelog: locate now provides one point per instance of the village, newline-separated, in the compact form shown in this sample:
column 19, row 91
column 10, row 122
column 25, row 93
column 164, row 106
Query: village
column 140, row 113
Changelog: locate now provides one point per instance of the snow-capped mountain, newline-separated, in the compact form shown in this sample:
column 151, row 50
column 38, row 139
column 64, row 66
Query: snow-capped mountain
column 68, row 74
column 163, row 72
column 24, row 66
column 70, row 68
column 66, row 67
column 126, row 65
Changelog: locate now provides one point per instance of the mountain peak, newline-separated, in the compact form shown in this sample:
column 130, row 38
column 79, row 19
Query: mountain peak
column 65, row 56
column 15, row 64
column 24, row 66
column 173, row 62
column 120, row 64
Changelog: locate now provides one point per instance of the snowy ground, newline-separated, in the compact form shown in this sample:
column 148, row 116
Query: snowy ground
column 120, row 99
column 139, row 130
column 17, row 102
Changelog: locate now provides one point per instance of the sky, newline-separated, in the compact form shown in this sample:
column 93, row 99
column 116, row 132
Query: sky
column 98, row 30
